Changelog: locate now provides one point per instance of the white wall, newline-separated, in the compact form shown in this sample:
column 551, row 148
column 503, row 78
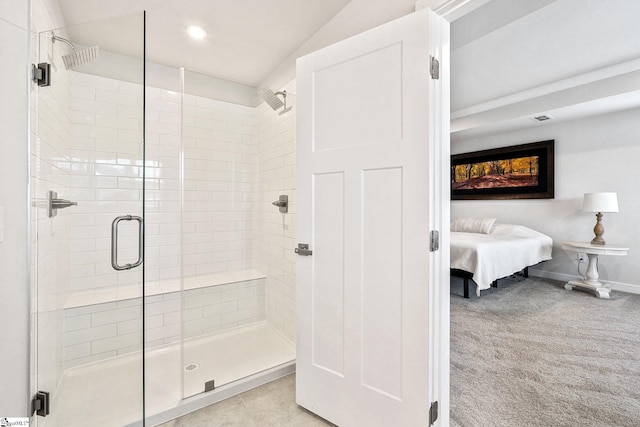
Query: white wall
column 591, row 154
column 14, row 288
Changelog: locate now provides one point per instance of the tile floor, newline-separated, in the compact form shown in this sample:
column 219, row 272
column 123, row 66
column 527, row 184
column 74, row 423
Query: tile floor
column 272, row 404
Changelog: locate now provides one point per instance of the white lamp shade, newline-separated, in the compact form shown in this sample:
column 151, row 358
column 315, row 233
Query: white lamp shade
column 600, row 202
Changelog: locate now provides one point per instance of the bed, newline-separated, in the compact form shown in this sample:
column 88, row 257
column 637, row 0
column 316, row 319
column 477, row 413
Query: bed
column 490, row 252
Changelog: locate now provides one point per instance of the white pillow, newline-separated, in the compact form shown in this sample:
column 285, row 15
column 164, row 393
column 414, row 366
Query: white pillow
column 473, row 225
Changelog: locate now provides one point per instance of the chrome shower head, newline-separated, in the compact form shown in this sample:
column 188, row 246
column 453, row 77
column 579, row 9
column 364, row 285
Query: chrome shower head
column 77, row 57
column 80, row 57
column 272, row 98
column 275, row 102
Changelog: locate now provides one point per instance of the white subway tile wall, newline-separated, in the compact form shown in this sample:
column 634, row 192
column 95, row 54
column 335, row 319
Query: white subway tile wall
column 219, row 220
column 163, row 172
column 277, row 231
column 106, row 159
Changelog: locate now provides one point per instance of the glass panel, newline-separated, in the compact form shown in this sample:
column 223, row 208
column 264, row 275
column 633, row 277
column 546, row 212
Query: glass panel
column 237, row 160
column 89, row 150
column 163, row 332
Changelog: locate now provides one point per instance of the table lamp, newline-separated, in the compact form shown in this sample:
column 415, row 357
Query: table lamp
column 599, row 202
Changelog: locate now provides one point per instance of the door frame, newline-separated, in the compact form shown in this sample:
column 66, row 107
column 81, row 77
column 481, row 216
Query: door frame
column 439, row 161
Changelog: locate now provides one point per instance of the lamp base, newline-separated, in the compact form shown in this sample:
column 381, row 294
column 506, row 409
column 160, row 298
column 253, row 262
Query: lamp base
column 598, row 231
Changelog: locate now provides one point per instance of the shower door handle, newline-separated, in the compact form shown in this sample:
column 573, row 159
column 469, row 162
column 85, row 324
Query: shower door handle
column 114, row 242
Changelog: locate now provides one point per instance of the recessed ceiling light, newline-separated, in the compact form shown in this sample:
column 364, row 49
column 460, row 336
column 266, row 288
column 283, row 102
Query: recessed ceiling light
column 196, row 32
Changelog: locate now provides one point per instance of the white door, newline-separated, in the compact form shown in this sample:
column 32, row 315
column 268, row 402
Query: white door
column 372, row 170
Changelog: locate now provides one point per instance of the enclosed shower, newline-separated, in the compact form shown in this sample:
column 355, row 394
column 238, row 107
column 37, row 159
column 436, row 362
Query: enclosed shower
column 167, row 281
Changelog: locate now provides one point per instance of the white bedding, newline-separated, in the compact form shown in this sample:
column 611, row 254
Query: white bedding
column 505, row 250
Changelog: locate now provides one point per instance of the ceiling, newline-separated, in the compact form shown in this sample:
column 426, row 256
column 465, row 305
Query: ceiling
column 247, row 39
column 510, row 59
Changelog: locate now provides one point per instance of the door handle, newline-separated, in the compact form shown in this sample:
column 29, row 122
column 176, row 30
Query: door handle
column 114, row 242
column 303, row 249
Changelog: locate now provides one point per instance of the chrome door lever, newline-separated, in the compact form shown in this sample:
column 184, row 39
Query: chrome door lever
column 303, row 249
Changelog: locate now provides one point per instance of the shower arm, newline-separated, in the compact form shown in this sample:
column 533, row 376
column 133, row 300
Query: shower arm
column 284, row 97
column 65, row 41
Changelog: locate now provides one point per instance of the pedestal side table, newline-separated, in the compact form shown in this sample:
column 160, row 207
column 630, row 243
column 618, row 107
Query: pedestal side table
column 591, row 281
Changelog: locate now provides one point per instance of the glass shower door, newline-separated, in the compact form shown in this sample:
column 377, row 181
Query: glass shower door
column 87, row 186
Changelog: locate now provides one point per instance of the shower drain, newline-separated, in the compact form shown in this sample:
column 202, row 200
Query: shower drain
column 191, row 367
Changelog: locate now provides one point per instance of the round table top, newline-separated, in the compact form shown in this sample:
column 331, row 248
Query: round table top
column 591, row 248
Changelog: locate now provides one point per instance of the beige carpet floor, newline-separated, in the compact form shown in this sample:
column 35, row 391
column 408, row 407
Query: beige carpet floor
column 532, row 354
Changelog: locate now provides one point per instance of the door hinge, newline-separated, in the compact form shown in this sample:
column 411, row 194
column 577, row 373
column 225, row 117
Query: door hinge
column 41, row 74
column 40, row 404
column 434, row 240
column 434, row 68
column 433, row 412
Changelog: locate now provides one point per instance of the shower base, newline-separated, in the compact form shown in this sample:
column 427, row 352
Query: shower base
column 233, row 355
column 238, row 360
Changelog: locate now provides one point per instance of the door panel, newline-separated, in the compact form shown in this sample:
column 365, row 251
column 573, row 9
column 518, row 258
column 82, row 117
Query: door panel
column 328, row 284
column 382, row 281
column 370, row 123
column 374, row 114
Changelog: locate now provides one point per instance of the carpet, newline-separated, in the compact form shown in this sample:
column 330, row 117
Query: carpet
column 531, row 353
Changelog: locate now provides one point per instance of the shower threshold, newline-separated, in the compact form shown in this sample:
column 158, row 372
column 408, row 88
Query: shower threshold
column 236, row 360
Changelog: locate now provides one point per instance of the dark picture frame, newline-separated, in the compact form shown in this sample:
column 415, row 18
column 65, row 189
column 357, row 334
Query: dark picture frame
column 522, row 171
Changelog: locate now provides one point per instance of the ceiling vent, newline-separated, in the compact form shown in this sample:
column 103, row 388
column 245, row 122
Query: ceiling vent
column 542, row 118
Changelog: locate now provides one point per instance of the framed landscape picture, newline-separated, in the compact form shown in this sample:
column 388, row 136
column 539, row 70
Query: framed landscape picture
column 516, row 172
